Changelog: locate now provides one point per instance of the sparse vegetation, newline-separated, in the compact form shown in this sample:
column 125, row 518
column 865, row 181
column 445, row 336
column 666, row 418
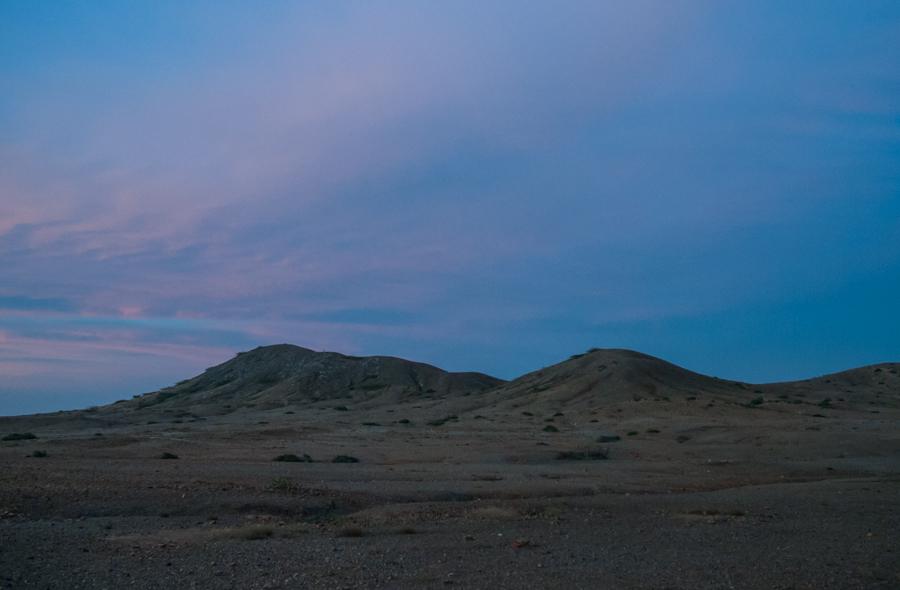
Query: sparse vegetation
column 371, row 424
column 345, row 459
column 292, row 458
column 550, row 428
column 652, row 431
column 268, row 379
column 406, row 530
column 372, row 386
column 19, row 436
column 494, row 513
column 253, row 532
column 39, row 454
column 340, row 408
column 713, row 512
column 632, row 433
column 487, row 477
column 681, row 438
column 168, row 456
column 608, row 438
column 404, row 421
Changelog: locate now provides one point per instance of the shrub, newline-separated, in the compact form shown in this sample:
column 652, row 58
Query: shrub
column 442, row 421
column 292, row 458
column 284, row 485
column 351, row 532
column 592, row 455
column 39, row 454
column 632, row 433
column 253, row 532
column 168, row 456
column 345, row 459
column 652, row 431
column 407, row 530
column 403, row 421
column 608, row 438
column 20, row 436
column 682, row 438
column 550, row 428
column 756, row 401
column 340, row 408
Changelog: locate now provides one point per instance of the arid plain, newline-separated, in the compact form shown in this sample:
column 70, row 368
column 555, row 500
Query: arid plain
column 611, row 469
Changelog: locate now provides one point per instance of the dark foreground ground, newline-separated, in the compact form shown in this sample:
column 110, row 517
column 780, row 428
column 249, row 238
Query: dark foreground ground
column 734, row 499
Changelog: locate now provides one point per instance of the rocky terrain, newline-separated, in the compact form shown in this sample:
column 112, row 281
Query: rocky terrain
column 289, row 468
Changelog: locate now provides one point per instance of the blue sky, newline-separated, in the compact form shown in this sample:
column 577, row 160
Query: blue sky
column 480, row 185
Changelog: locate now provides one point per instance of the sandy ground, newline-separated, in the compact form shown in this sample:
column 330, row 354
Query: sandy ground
column 721, row 497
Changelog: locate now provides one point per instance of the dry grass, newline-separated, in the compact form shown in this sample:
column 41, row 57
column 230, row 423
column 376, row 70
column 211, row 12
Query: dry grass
column 493, row 513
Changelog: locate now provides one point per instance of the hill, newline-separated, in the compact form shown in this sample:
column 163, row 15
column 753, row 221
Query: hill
column 287, row 375
column 609, row 377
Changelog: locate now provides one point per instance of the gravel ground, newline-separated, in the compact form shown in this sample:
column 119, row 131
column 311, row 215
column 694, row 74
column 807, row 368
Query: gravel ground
column 748, row 500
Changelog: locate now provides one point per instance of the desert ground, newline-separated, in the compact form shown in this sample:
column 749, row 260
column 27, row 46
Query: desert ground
column 608, row 470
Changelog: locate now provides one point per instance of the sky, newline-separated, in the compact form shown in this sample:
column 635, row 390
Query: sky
column 488, row 186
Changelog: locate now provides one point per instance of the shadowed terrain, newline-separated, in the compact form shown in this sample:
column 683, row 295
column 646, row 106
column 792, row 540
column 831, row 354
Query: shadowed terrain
column 289, row 468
